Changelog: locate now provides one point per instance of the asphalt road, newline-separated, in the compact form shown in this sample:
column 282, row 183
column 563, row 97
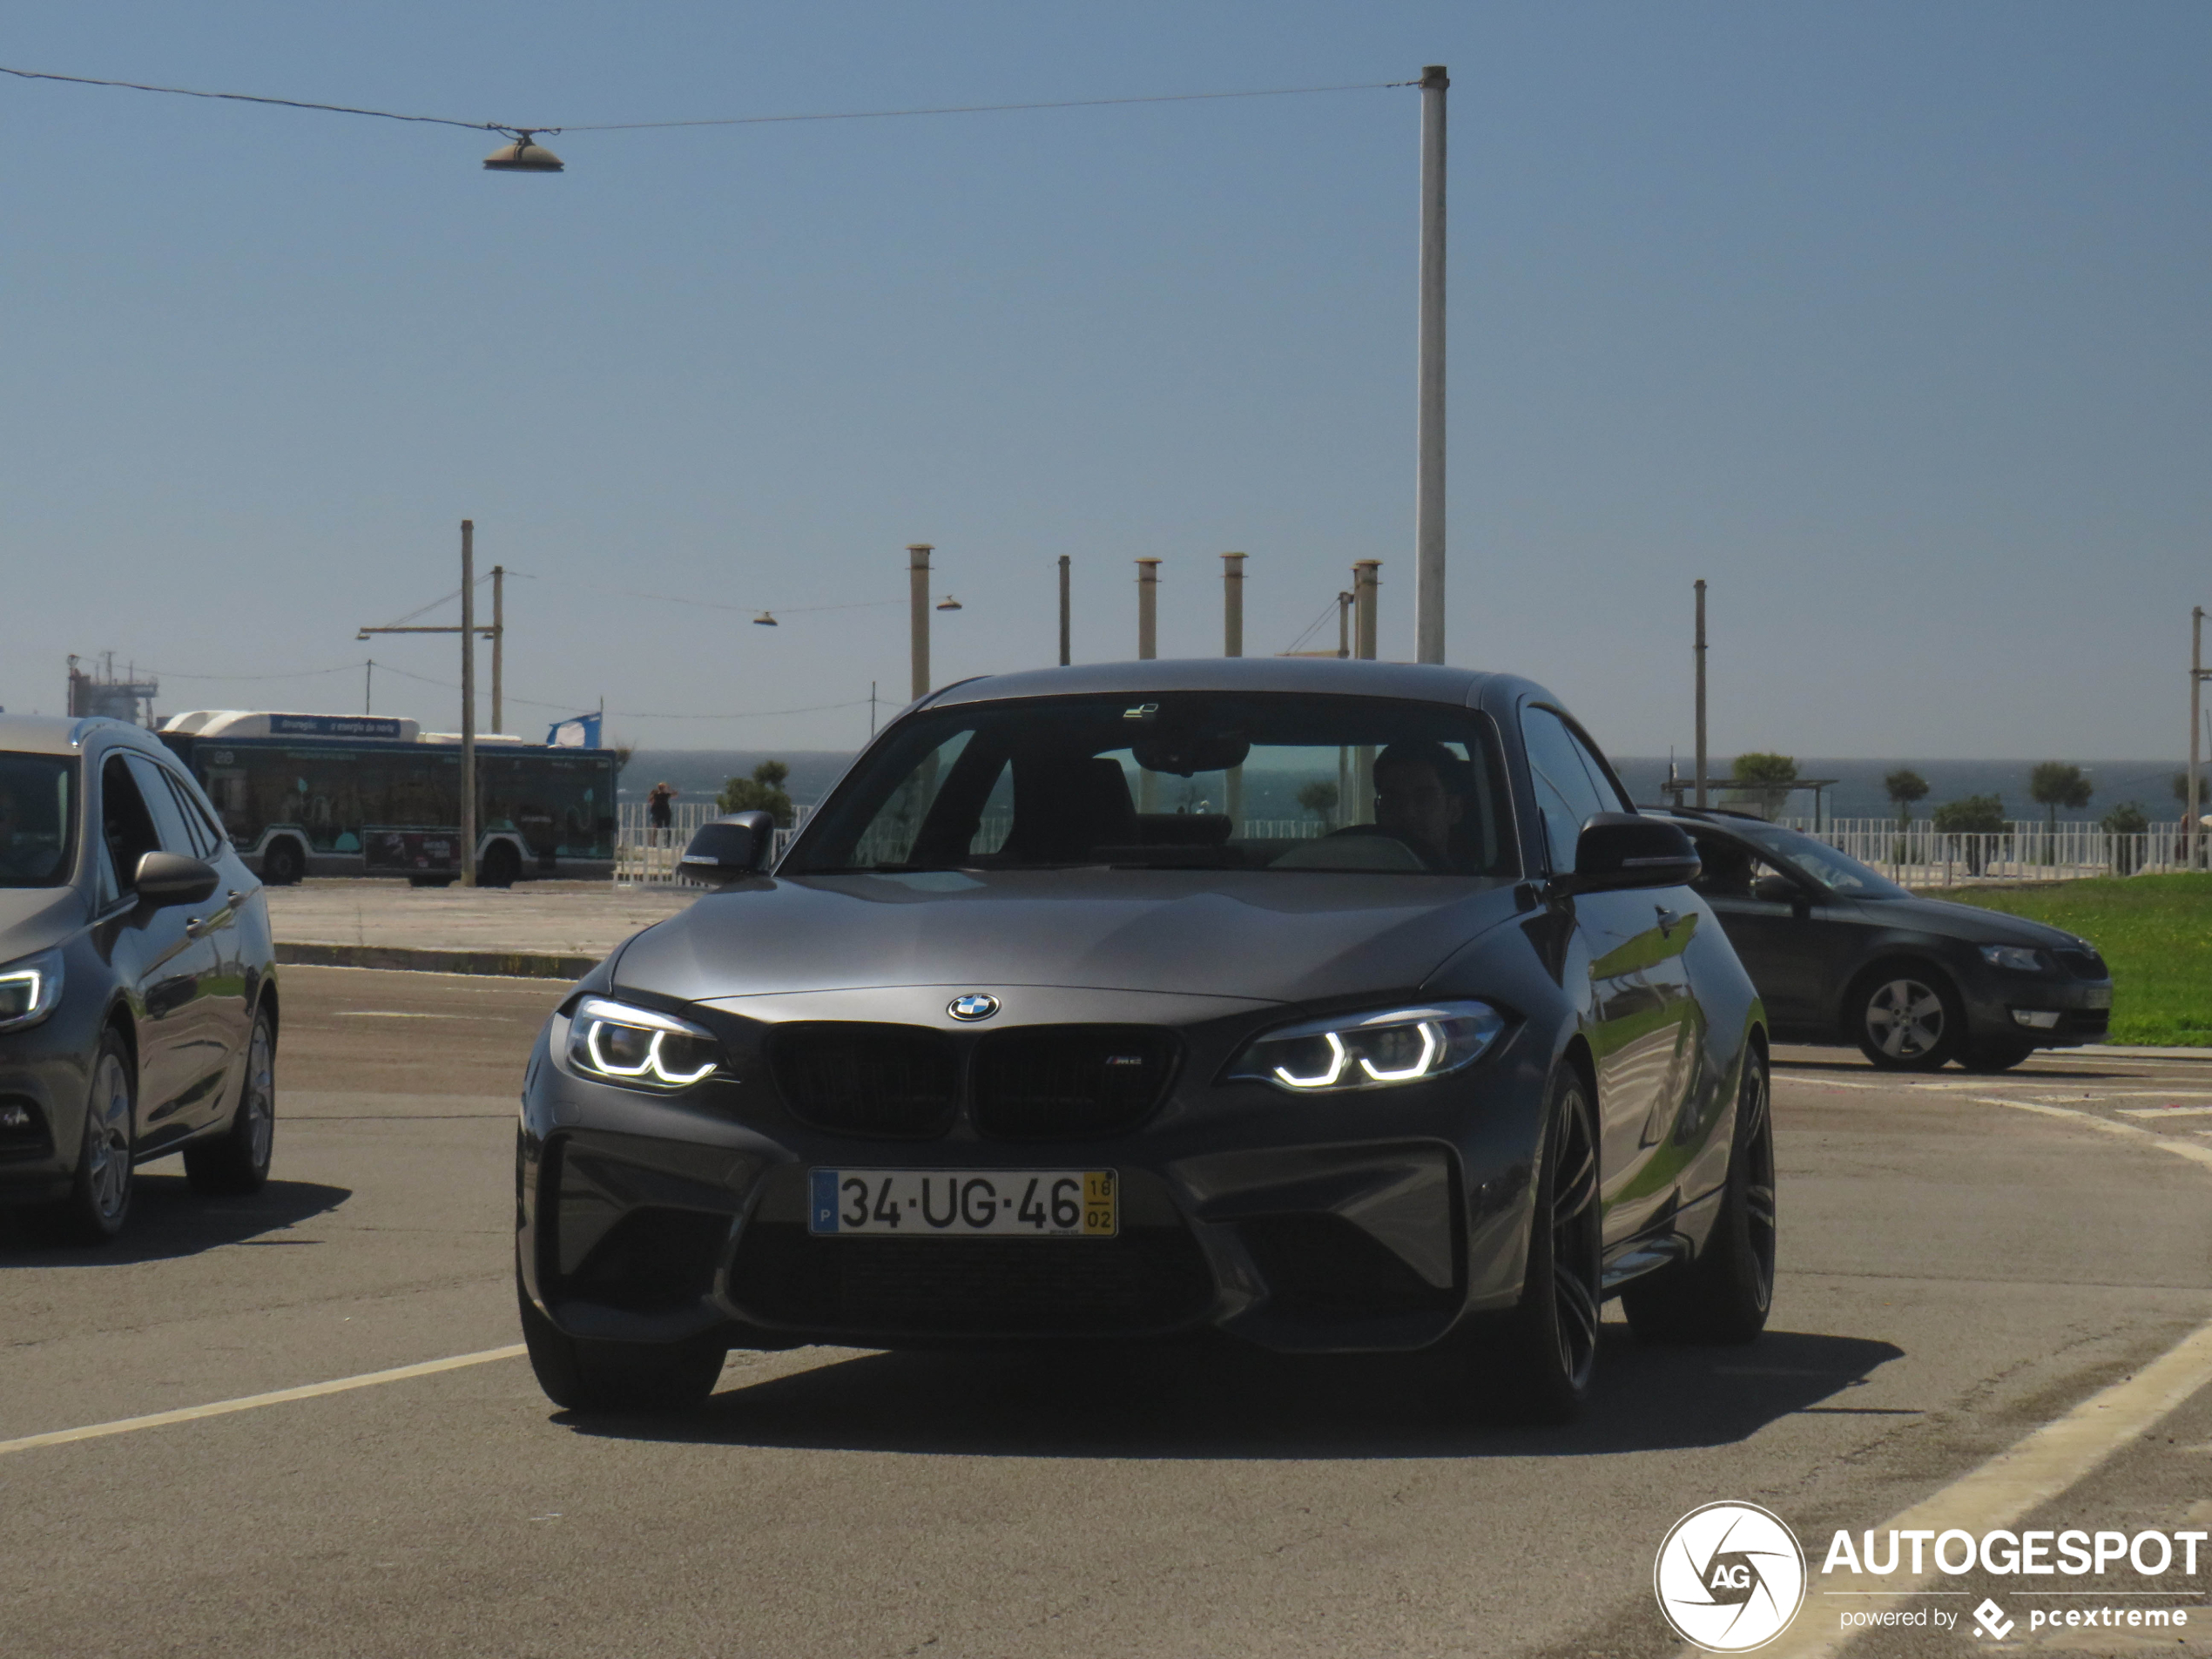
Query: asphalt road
column 1955, row 1273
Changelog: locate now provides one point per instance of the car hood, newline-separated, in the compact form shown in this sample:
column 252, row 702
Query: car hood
column 1970, row 923
column 1258, row 936
column 33, row 919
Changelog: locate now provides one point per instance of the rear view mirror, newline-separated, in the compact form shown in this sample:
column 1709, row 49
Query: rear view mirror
column 164, row 878
column 1187, row 755
column 730, row 847
column 1627, row 850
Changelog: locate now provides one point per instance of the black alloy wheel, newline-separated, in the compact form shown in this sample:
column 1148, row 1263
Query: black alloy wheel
column 1905, row 1017
column 238, row 1159
column 99, row 1194
column 648, row 1378
column 1724, row 1295
column 283, row 863
column 1537, row 1360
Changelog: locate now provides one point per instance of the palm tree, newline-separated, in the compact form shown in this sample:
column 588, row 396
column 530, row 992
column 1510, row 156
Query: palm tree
column 2055, row 783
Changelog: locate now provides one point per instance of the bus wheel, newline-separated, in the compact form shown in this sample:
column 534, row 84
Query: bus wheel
column 283, row 863
column 500, row 866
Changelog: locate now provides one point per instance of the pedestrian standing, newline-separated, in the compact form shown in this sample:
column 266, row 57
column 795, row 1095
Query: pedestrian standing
column 660, row 809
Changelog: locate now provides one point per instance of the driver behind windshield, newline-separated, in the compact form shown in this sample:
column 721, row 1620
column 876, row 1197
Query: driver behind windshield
column 1417, row 798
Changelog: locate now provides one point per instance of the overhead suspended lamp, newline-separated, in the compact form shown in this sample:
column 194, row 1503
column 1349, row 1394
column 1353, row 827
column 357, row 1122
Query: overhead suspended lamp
column 766, row 619
column 523, row 156
column 948, row 603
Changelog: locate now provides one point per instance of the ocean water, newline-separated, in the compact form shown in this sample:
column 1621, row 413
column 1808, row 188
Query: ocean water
column 698, row 775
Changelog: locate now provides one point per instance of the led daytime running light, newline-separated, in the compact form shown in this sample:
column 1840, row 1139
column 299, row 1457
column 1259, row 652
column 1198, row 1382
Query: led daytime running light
column 1337, row 1057
column 1431, row 1045
column 650, row 1063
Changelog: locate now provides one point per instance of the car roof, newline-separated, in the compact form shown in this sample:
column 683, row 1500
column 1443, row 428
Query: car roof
column 66, row 734
column 1419, row 682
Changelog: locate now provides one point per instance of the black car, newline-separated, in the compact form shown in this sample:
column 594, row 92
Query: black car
column 1060, row 1021
column 138, row 978
column 1840, row 953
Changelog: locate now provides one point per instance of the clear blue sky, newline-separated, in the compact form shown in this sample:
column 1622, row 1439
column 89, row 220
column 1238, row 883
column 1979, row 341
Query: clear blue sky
column 1889, row 319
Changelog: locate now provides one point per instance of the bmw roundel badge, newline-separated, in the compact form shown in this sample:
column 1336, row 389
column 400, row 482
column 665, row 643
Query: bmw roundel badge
column 976, row 1005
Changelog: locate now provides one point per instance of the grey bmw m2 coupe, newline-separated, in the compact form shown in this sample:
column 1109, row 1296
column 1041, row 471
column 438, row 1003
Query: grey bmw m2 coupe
column 1336, row 1007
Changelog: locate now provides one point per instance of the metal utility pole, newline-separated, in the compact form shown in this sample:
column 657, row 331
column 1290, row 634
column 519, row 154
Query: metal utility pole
column 1148, row 610
column 918, row 588
column 1232, row 604
column 1364, row 584
column 498, row 639
column 1063, row 611
column 1428, row 500
column 2192, row 833
column 368, row 686
column 1699, row 653
column 1343, row 626
column 468, row 702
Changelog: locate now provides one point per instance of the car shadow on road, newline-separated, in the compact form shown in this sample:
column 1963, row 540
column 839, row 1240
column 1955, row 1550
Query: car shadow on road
column 1219, row 1400
column 168, row 1220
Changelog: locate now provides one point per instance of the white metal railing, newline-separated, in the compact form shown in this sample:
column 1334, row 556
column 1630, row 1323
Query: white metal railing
column 647, row 857
column 1916, row 854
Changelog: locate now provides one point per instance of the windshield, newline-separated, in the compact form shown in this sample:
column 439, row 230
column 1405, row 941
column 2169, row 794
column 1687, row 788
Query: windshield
column 1188, row 780
column 37, row 820
column 1816, row 860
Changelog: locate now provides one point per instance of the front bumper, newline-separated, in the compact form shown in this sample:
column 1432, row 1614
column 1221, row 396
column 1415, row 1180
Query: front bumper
column 2068, row 1011
column 1367, row 1223
column 45, row 1079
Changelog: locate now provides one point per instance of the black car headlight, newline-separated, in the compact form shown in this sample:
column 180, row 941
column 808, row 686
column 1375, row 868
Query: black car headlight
column 619, row 1042
column 29, row 990
column 2019, row 958
column 1354, row 1051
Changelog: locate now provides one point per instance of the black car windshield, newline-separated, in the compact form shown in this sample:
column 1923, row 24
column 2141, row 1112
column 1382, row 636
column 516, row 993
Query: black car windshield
column 1819, row 861
column 37, row 820
column 1174, row 779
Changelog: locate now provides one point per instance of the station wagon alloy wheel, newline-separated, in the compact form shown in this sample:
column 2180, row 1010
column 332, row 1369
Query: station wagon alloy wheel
column 1904, row 1021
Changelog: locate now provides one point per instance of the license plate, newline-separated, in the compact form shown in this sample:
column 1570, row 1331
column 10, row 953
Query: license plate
column 2097, row 1000
column 965, row 1203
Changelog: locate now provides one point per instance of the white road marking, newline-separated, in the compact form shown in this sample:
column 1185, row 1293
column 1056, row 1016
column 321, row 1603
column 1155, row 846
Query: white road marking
column 2055, row 1458
column 2166, row 1111
column 224, row 1407
column 2016, row 1480
column 396, row 1014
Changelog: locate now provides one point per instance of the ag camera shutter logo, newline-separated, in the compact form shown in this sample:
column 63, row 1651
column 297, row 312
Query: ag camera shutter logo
column 1730, row 1577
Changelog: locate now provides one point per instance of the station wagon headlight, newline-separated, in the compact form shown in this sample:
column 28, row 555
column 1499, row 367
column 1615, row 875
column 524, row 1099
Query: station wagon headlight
column 1348, row 1052
column 618, row 1043
column 2019, row 958
column 29, row 990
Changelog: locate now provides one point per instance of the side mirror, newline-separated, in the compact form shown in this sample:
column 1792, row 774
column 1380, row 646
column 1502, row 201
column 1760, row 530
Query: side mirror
column 166, row 878
column 1627, row 850
column 730, row 847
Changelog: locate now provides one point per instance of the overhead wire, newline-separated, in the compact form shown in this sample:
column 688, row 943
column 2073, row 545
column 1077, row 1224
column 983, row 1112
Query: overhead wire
column 519, row 131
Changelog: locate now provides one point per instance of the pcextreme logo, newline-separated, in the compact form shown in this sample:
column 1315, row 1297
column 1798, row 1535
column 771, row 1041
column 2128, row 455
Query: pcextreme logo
column 1730, row 1577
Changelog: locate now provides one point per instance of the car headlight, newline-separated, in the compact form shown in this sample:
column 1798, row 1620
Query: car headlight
column 1346, row 1052
column 2019, row 958
column 29, row 990
column 618, row 1043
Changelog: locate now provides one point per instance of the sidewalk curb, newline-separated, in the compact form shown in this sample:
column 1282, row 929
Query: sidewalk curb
column 508, row 964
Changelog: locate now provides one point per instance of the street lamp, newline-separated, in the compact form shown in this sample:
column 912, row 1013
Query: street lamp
column 523, row 156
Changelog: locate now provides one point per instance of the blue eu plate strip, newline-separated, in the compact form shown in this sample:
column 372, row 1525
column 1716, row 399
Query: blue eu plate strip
column 825, row 1219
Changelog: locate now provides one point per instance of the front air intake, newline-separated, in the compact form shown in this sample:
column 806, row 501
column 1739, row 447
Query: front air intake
column 1053, row 1081
column 862, row 1079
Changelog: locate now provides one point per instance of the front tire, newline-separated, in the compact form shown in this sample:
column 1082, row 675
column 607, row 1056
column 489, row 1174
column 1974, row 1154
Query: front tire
column 1906, row 1017
column 99, row 1194
column 1996, row 1056
column 283, row 863
column 1533, row 1365
column 581, row 1375
column 237, row 1161
column 1724, row 1295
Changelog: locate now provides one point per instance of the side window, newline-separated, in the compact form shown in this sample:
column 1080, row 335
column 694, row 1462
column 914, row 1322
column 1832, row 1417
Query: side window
column 198, row 819
column 1600, row 775
column 125, row 825
column 161, row 801
column 1565, row 794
